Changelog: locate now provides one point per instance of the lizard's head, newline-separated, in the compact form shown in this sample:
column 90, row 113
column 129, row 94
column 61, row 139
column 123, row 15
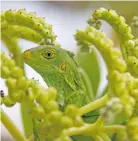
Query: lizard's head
column 45, row 57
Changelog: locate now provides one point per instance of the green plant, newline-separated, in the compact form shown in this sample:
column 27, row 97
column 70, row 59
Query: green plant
column 118, row 116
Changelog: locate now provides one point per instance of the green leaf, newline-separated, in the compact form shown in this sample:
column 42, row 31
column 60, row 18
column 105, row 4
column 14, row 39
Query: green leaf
column 89, row 62
column 82, row 138
column 26, row 119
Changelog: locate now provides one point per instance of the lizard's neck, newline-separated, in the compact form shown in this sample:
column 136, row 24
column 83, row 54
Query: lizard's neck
column 52, row 79
column 67, row 92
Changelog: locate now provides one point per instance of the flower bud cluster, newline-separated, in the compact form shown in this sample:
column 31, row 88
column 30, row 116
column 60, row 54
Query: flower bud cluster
column 132, row 129
column 14, row 80
column 121, row 83
column 131, row 47
column 116, row 21
column 55, row 122
column 127, row 42
column 124, row 86
column 111, row 109
column 92, row 36
column 27, row 26
column 94, row 23
column 19, row 87
column 134, row 22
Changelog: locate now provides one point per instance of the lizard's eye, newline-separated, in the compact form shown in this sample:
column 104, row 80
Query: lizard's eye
column 49, row 54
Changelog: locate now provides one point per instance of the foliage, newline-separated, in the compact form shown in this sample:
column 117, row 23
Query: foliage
column 118, row 108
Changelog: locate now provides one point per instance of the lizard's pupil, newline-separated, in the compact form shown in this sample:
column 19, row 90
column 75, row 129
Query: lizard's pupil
column 48, row 54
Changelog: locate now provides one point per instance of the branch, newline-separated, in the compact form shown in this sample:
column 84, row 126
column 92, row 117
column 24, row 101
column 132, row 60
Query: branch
column 13, row 130
column 93, row 105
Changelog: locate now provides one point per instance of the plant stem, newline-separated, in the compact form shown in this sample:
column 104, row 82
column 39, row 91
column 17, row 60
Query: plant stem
column 114, row 128
column 86, row 129
column 93, row 105
column 13, row 130
column 105, row 137
column 26, row 119
column 78, row 130
column 13, row 47
column 119, row 129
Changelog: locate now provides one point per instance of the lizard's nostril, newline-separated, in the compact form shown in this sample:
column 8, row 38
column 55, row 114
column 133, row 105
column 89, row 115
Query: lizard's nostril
column 27, row 54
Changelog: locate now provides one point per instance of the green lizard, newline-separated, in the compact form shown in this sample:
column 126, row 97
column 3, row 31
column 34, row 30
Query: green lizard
column 59, row 70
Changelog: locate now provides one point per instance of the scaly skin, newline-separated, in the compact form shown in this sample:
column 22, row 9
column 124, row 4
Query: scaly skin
column 59, row 70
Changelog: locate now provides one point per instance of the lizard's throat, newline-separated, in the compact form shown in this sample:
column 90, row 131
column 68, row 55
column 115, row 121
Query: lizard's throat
column 52, row 79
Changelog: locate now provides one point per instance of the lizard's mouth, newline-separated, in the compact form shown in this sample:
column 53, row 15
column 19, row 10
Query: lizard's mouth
column 28, row 60
column 33, row 61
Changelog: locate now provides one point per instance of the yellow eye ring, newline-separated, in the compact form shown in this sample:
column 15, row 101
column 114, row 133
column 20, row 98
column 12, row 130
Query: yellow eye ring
column 49, row 54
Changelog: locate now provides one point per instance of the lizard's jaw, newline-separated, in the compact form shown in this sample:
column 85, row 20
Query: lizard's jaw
column 34, row 63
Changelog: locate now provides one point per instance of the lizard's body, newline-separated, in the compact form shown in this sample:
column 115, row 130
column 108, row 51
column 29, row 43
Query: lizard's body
column 59, row 71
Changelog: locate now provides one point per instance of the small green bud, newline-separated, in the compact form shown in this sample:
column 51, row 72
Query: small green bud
column 98, row 13
column 11, row 83
column 98, row 25
column 5, row 72
column 8, row 102
column 22, row 83
column 16, row 72
column 132, row 129
column 55, row 116
column 115, row 53
column 37, row 26
column 88, row 29
column 50, row 106
column 122, row 135
column 91, row 20
column 18, row 95
column 136, row 24
column 11, row 64
column 71, row 110
column 38, row 112
column 31, row 83
column 42, row 98
column 117, row 107
column 30, row 94
column 66, row 121
column 128, row 110
column 52, row 93
column 9, row 14
column 135, row 94
column 53, row 105
column 120, row 65
column 120, row 87
column 135, row 18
